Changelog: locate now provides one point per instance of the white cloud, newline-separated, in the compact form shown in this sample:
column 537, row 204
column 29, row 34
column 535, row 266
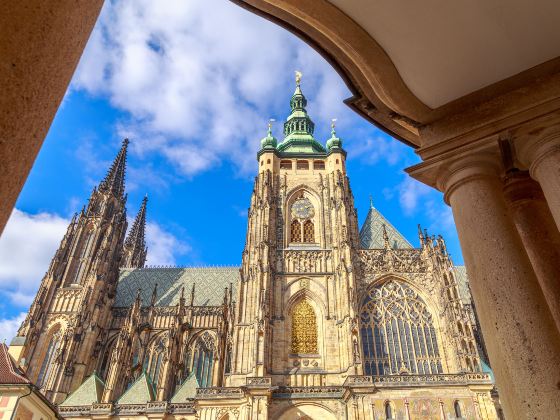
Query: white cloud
column 411, row 194
column 198, row 80
column 30, row 241
column 27, row 246
column 382, row 147
column 163, row 247
column 9, row 327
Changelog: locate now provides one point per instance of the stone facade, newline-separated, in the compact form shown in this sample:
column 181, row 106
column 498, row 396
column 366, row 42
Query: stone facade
column 321, row 320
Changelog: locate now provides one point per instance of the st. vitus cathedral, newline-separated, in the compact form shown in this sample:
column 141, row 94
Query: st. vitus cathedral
column 321, row 321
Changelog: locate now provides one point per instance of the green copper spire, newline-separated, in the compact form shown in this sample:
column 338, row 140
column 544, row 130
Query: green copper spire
column 269, row 142
column 298, row 128
column 334, row 142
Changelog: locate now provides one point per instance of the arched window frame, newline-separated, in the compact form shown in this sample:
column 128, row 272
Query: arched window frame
column 203, row 354
column 457, row 409
column 389, row 409
column 398, row 331
column 308, row 231
column 49, row 358
column 304, row 338
column 316, row 219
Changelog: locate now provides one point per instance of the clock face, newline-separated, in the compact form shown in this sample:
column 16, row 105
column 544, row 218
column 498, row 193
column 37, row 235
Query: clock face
column 303, row 209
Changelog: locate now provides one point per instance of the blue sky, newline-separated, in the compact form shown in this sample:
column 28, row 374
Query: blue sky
column 193, row 91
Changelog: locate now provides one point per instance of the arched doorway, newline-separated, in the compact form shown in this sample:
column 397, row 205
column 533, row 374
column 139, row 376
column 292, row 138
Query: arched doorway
column 307, row 412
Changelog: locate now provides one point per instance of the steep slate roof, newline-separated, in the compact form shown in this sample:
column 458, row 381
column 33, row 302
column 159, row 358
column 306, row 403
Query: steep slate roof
column 187, row 390
column 89, row 392
column 140, row 392
column 10, row 373
column 371, row 234
column 210, row 283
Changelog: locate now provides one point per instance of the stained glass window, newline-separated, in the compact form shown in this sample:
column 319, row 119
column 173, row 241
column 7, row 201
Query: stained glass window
column 304, row 329
column 49, row 360
column 295, row 231
column 308, row 231
column 398, row 335
column 203, row 359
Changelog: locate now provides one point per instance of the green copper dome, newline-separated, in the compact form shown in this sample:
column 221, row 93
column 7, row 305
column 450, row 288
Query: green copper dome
column 269, row 142
column 334, row 142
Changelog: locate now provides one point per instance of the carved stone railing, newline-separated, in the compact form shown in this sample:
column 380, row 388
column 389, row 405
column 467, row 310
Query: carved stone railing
column 207, row 311
column 108, row 409
column 393, row 260
column 415, row 380
column 181, row 408
column 73, row 411
column 259, row 381
column 101, row 408
column 304, row 261
column 308, row 392
column 219, row 392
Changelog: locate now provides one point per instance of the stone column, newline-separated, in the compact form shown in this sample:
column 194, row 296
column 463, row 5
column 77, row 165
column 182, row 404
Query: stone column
column 542, row 156
column 520, row 333
column 539, row 234
column 41, row 43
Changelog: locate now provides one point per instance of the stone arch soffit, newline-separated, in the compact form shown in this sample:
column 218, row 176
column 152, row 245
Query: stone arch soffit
column 311, row 280
column 313, row 410
column 427, row 299
column 305, row 294
column 347, row 47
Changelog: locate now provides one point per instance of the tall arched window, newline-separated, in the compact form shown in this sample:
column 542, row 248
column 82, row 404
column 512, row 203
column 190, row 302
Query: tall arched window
column 398, row 335
column 458, row 412
column 308, row 232
column 155, row 362
column 203, row 359
column 389, row 411
column 295, row 231
column 47, row 366
column 304, row 329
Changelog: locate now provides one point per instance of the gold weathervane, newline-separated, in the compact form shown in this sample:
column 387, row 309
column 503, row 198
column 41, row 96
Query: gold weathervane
column 298, row 77
column 333, row 123
column 270, row 121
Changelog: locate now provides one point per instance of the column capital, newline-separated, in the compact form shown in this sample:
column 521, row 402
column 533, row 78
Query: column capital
column 519, row 187
column 533, row 146
column 465, row 169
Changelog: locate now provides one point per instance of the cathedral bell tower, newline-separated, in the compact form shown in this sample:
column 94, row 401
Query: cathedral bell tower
column 295, row 321
column 68, row 320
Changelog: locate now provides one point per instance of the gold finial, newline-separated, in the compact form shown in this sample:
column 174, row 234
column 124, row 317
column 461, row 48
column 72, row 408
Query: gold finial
column 333, row 123
column 270, row 121
column 298, row 77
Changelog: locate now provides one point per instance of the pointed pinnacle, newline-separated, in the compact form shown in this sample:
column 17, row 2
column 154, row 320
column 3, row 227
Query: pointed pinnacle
column 386, row 237
column 114, row 180
column 137, row 235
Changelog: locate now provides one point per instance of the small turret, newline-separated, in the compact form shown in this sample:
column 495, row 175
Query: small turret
column 269, row 142
column 334, row 143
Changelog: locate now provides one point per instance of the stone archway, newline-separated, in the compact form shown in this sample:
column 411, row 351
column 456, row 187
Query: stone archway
column 307, row 412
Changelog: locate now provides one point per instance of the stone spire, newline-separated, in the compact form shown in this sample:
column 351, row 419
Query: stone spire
column 135, row 249
column 114, row 180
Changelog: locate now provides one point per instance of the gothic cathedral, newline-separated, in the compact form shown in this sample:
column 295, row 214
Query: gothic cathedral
column 321, row 321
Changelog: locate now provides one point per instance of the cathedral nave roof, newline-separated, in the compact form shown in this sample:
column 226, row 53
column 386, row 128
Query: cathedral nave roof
column 209, row 283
